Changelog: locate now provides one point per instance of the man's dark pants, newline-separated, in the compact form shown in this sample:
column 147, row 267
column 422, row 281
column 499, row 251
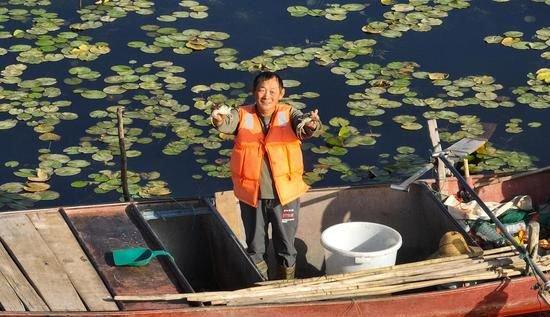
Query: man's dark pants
column 284, row 221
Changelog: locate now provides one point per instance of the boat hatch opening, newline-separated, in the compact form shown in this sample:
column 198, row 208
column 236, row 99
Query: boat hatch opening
column 204, row 248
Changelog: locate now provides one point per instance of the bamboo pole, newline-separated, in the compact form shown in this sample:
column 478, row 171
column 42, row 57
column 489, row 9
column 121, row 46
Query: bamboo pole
column 361, row 290
column 407, row 278
column 353, row 284
column 367, row 277
column 377, row 291
column 330, row 289
column 123, row 159
column 486, row 253
column 385, row 276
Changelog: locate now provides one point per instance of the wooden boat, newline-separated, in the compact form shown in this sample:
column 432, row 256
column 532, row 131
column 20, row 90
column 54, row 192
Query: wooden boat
column 57, row 261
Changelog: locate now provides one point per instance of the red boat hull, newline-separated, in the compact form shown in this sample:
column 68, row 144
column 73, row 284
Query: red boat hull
column 503, row 298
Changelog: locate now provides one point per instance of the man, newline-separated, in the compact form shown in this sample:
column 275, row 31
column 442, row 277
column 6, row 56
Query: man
column 267, row 169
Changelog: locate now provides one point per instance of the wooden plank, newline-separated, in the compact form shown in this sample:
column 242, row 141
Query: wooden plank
column 8, row 298
column 228, row 207
column 18, row 282
column 103, row 229
column 60, row 239
column 38, row 262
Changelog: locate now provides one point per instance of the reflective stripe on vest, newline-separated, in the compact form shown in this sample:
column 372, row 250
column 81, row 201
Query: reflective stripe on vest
column 284, row 152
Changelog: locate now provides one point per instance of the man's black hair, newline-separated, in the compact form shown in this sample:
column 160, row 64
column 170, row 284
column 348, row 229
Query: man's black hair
column 263, row 76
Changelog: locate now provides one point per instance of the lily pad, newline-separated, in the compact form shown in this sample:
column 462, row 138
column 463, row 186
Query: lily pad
column 79, row 184
column 13, row 187
column 67, row 171
column 411, row 126
column 11, row 164
column 93, row 94
column 102, row 156
column 36, row 187
column 7, row 124
column 48, row 195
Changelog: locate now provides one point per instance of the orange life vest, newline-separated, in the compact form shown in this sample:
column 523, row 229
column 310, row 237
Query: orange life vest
column 283, row 150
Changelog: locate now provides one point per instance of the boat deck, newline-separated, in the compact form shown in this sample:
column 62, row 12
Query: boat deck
column 44, row 266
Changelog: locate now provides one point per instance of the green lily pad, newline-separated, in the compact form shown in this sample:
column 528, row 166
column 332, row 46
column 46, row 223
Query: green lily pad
column 133, row 153
column 353, row 6
column 11, row 164
column 48, row 195
column 513, row 34
column 338, row 151
column 320, row 149
column 78, row 163
column 493, row 39
column 289, row 83
column 67, row 171
column 486, row 96
column 338, row 122
column 102, row 156
column 166, row 18
column 7, row 124
column 335, row 17
column 351, row 178
column 112, row 90
column 404, row 119
column 93, row 94
column 49, row 136
column 405, row 150
column 411, row 126
column 375, row 123
column 13, row 187
column 79, row 184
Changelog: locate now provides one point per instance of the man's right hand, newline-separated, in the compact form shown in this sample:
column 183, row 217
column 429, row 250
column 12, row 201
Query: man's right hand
column 216, row 118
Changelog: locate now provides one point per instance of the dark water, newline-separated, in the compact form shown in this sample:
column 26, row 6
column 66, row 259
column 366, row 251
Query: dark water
column 456, row 47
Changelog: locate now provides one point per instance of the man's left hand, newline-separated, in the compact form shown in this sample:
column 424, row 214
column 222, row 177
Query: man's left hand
column 314, row 123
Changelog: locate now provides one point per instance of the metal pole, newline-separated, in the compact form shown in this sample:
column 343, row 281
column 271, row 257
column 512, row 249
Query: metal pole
column 470, row 191
column 123, row 160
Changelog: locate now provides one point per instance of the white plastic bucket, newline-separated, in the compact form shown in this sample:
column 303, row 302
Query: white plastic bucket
column 354, row 246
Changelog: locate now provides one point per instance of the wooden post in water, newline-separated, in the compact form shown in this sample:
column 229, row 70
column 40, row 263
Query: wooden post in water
column 434, row 136
column 123, row 160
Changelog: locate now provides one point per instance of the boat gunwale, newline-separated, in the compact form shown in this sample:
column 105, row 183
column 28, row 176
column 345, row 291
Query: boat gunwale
column 329, row 307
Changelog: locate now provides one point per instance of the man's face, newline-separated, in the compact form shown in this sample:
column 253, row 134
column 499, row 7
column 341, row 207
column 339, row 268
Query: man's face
column 267, row 95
